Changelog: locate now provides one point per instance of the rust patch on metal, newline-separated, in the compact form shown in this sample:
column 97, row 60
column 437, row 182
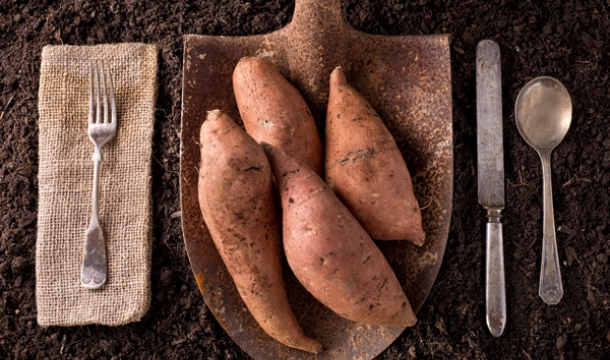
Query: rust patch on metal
column 200, row 278
column 407, row 79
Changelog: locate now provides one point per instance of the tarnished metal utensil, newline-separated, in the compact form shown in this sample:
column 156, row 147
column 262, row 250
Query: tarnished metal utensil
column 490, row 153
column 94, row 269
column 543, row 112
column 406, row 79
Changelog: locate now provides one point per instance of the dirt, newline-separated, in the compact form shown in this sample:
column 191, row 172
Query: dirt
column 565, row 39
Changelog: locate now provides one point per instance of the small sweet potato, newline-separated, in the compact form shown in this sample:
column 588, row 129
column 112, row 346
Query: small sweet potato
column 236, row 197
column 330, row 253
column 274, row 111
column 365, row 168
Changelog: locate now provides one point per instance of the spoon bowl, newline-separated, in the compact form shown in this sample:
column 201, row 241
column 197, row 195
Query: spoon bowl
column 543, row 112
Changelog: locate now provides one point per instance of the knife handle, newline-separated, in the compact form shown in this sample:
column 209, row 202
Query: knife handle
column 495, row 297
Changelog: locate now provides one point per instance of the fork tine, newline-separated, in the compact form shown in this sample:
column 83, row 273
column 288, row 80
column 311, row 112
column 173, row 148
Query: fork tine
column 98, row 117
column 90, row 93
column 105, row 94
column 112, row 99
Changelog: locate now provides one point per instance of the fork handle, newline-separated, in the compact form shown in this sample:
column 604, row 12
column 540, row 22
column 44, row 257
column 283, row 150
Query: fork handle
column 97, row 159
column 94, row 267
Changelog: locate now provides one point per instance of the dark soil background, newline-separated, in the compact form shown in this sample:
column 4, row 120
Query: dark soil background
column 564, row 39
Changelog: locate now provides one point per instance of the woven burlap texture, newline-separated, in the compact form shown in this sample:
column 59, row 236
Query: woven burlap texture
column 65, row 182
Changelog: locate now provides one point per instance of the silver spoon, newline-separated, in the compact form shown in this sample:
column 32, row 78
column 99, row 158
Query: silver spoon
column 543, row 112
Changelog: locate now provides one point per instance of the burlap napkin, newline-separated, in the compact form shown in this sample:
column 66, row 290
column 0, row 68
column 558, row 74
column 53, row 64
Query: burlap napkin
column 65, row 183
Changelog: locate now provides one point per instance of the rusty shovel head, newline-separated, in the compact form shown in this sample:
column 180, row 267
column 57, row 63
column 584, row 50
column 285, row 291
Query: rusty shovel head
column 407, row 80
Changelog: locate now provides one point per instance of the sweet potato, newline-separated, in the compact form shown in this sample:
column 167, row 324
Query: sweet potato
column 236, row 197
column 330, row 253
column 365, row 168
column 274, row 111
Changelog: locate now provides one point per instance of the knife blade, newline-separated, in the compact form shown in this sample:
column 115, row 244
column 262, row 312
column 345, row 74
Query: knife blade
column 490, row 157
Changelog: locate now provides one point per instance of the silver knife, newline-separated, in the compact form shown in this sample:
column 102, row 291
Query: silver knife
column 490, row 153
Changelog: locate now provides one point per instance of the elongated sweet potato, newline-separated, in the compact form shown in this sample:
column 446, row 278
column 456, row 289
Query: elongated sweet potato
column 330, row 253
column 237, row 202
column 365, row 168
column 274, row 111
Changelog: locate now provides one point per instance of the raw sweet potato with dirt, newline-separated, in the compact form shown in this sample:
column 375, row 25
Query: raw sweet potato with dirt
column 274, row 111
column 365, row 168
column 237, row 201
column 330, row 253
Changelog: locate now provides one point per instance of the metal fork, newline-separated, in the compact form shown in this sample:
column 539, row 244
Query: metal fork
column 94, row 269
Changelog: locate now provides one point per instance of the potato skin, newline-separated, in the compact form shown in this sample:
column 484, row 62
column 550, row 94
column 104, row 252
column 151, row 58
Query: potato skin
column 365, row 168
column 237, row 202
column 331, row 254
column 274, row 111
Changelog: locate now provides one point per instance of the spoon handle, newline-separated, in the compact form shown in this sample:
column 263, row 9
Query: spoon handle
column 551, row 289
